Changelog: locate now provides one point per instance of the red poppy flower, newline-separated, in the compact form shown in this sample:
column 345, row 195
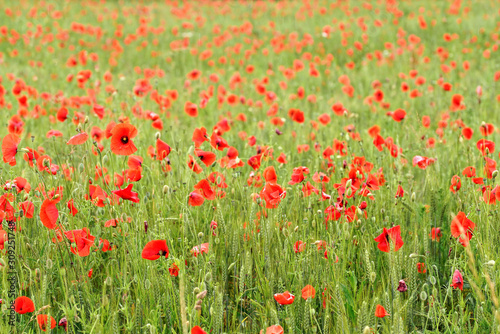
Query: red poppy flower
column 28, row 209
column 9, row 148
column 380, row 311
column 456, row 184
column 201, row 249
column 462, row 228
column 155, row 249
column 162, row 149
column 398, row 115
column 457, row 280
column 121, row 139
column 207, row 158
column 285, row 298
column 435, row 234
column 203, row 187
column 24, row 305
column 78, row 139
column 81, row 241
column 195, row 199
column 400, row 192
column 191, row 109
column 43, row 322
column 22, row 185
column 308, row 292
column 422, row 162
column 200, row 136
column 393, row 234
column 421, row 268
column 272, row 195
column 49, row 213
column 469, row 171
column 275, row 329
column 483, row 144
column 197, row 330
column 127, row 194
column 299, row 246
column 193, row 165
column 72, row 208
column 173, row 270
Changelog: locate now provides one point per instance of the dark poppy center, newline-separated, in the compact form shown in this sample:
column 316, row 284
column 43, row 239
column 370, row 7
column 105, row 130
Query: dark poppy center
column 124, row 139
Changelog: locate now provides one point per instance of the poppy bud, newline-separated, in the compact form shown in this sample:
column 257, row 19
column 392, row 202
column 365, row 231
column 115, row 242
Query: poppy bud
column 349, row 192
column 165, row 189
column 105, row 159
column 86, row 120
column 367, row 330
column 373, row 275
column 81, row 168
column 432, row 279
column 490, row 263
column 25, row 150
column 108, row 281
column 413, row 196
column 49, row 264
column 200, row 235
column 348, row 184
column 147, row 284
column 105, row 300
column 62, row 272
column 494, row 174
column 208, row 277
column 423, row 295
column 196, row 290
column 46, row 163
column 413, row 255
column 359, row 211
column 157, row 135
